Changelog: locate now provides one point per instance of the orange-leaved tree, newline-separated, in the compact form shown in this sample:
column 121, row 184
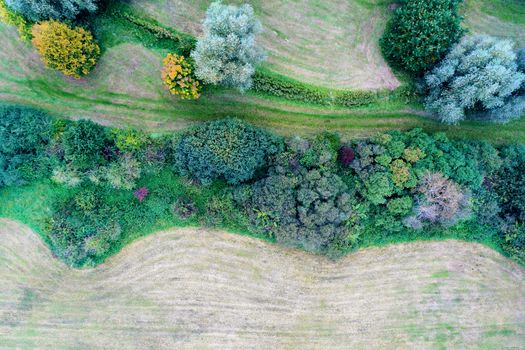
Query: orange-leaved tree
column 73, row 51
column 178, row 76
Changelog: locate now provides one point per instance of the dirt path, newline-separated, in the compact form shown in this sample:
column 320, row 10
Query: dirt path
column 195, row 289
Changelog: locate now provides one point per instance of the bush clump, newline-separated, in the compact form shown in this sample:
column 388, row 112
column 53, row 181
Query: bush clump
column 478, row 78
column 421, row 32
column 72, row 51
column 178, row 76
column 227, row 53
column 24, row 135
column 224, row 149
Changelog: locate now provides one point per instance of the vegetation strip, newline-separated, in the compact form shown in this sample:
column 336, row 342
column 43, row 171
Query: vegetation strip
column 100, row 188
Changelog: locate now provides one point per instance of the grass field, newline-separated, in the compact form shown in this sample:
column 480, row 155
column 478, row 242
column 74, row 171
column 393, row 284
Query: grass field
column 503, row 18
column 125, row 90
column 194, row 289
column 327, row 43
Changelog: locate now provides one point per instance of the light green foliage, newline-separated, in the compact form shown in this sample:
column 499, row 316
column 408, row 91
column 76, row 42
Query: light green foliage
column 130, row 140
column 479, row 78
column 227, row 53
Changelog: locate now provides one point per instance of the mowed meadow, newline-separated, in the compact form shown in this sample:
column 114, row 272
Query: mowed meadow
column 125, row 88
column 200, row 289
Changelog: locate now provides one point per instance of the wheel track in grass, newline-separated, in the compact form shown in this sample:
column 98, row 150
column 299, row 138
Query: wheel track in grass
column 195, row 288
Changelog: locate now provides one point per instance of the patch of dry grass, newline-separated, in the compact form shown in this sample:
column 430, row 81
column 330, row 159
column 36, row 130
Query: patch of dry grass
column 326, row 43
column 196, row 289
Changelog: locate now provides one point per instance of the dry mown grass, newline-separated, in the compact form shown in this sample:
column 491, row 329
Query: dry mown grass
column 194, row 289
column 326, row 43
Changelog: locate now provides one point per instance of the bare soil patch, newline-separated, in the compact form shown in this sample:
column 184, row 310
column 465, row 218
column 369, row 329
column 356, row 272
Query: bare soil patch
column 199, row 289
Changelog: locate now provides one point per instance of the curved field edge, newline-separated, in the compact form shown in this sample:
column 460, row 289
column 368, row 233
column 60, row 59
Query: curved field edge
column 126, row 90
column 192, row 288
column 326, row 43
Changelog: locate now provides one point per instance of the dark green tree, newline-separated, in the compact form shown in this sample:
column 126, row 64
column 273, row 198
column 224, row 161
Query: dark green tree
column 420, row 33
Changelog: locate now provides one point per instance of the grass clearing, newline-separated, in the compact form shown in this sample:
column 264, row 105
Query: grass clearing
column 326, row 43
column 189, row 289
column 502, row 18
column 125, row 89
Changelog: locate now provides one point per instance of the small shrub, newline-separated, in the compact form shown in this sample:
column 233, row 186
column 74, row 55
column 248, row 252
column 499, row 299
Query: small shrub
column 184, row 207
column 72, row 51
column 130, row 140
column 224, row 149
column 420, row 33
column 400, row 206
column 228, row 53
column 478, row 77
column 141, row 194
column 177, row 74
column 122, row 174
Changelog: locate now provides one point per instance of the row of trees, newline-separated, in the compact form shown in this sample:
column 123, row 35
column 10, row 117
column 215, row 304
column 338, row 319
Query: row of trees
column 477, row 77
column 317, row 193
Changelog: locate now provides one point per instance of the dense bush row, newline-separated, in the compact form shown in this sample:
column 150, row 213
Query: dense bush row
column 275, row 85
column 319, row 193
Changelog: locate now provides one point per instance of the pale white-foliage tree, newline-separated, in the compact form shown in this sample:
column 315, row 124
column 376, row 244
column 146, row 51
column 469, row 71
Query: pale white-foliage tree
column 479, row 78
column 227, row 53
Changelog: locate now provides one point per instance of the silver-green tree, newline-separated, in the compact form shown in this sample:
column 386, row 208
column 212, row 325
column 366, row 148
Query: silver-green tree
column 479, row 78
column 227, row 53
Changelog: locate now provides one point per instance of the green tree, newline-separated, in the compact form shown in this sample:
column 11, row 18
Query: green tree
column 24, row 136
column 224, row 149
column 420, row 33
column 479, row 78
column 84, row 143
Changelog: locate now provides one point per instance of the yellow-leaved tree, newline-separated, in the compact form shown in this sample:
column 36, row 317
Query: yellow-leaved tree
column 72, row 51
column 178, row 76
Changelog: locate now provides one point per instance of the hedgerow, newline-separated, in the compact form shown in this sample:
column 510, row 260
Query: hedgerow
column 275, row 85
column 317, row 193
